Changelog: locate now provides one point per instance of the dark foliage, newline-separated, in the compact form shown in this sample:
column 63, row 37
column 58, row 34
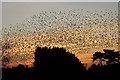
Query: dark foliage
column 57, row 59
column 110, row 57
column 5, row 59
column 48, row 62
column 112, row 67
column 56, row 62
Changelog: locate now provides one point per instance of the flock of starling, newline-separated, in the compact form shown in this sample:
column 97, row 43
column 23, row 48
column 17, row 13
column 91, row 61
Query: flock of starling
column 79, row 31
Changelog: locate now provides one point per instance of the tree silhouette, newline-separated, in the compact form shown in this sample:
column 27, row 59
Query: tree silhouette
column 110, row 57
column 5, row 59
column 57, row 59
column 48, row 62
column 98, row 55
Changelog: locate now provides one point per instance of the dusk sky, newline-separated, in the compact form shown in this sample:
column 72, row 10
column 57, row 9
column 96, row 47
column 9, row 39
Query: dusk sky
column 17, row 12
column 68, row 35
column 79, row 29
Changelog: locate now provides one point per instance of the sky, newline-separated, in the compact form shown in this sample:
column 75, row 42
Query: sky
column 48, row 1
column 17, row 12
column 0, row 18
